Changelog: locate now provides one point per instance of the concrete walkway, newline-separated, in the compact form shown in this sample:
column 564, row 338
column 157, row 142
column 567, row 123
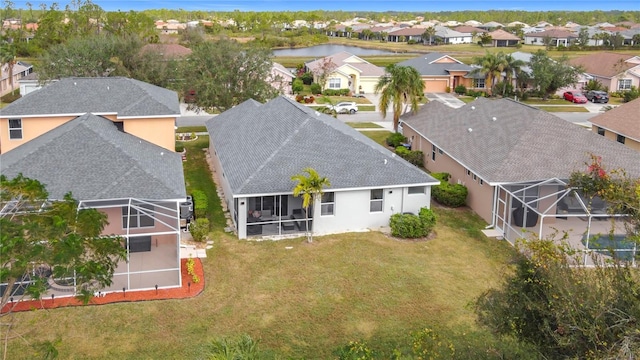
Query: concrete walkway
column 445, row 98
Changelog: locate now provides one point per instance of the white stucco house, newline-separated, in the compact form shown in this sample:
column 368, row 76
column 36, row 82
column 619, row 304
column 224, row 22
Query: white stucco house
column 256, row 149
column 346, row 71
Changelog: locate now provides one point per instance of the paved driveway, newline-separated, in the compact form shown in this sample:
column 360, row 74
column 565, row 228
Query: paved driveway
column 445, row 98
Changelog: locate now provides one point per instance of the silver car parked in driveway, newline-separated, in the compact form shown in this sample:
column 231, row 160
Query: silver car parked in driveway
column 344, row 107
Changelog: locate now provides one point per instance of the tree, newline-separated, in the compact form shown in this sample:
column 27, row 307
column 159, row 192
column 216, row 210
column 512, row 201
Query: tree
column 225, row 74
column 43, row 239
column 583, row 37
column 8, row 56
column 512, row 67
column 310, row 187
column 485, row 38
column 550, row 75
column 399, row 85
column 428, row 35
column 322, row 72
column 567, row 311
column 492, row 66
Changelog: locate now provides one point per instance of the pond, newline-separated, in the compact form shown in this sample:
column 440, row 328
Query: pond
column 329, row 49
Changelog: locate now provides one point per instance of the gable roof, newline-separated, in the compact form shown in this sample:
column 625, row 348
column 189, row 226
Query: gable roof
column 91, row 158
column 469, row 29
column 260, row 146
column 105, row 95
column 445, row 32
column 522, row 144
column 623, row 120
column 346, row 58
column 502, row 35
column 415, row 31
column 604, row 63
column 427, row 65
column 553, row 33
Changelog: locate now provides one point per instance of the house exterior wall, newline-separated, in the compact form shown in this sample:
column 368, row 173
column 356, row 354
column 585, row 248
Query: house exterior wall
column 613, row 136
column 480, row 197
column 435, row 85
column 32, row 127
column 159, row 131
column 368, row 84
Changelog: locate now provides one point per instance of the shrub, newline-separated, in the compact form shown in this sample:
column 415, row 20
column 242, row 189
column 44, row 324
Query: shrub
column 460, row 90
column 179, row 146
column 396, row 139
column 411, row 226
column 411, row 42
column 454, row 195
column 307, row 78
column 297, row 86
column 414, row 157
column 336, row 92
column 504, row 87
column 299, row 98
column 200, row 203
column 447, row 89
column 316, row 89
column 199, row 229
column 632, row 94
column 309, row 99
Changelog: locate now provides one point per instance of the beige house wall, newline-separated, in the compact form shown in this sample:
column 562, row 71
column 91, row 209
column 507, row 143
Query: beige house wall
column 613, row 136
column 159, row 131
column 480, row 197
column 31, row 128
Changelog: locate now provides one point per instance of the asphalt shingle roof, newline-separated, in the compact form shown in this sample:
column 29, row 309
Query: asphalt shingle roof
column 108, row 95
column 425, row 66
column 91, row 158
column 345, row 58
column 260, row 146
column 522, row 144
column 624, row 120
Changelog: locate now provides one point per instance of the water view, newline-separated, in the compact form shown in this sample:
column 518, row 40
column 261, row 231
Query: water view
column 329, row 49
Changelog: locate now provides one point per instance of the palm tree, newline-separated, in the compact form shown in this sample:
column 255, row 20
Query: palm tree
column 491, row 65
column 310, row 188
column 400, row 85
column 8, row 56
column 428, row 34
column 512, row 68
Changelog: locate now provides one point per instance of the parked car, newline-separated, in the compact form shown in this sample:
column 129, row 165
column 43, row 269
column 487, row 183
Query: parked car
column 597, row 96
column 575, row 97
column 344, row 107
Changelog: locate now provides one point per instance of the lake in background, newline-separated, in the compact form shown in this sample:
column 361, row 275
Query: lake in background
column 327, row 49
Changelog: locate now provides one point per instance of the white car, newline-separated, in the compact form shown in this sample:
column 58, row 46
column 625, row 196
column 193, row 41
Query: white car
column 344, row 107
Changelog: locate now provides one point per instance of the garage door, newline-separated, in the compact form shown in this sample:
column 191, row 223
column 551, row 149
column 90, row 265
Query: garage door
column 435, row 86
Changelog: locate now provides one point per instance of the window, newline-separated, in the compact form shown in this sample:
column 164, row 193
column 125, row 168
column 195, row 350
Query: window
column 15, row 129
column 136, row 217
column 416, row 190
column 376, row 200
column 468, row 172
column 478, row 83
column 624, row 84
column 327, row 204
column 440, row 151
column 621, row 139
column 600, row 131
column 433, row 152
column 334, row 83
column 481, row 182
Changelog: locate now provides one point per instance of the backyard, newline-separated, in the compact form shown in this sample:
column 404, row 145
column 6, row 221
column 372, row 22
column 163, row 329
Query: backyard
column 298, row 300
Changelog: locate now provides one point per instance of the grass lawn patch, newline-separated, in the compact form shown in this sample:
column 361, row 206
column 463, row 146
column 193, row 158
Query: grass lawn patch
column 536, row 101
column 190, row 129
column 336, row 99
column 466, row 99
column 566, row 108
column 377, row 136
column 363, row 125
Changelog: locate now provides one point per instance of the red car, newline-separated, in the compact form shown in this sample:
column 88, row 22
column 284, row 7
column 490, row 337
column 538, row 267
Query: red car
column 575, row 97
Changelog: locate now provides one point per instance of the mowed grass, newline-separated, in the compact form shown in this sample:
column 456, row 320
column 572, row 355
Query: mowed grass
column 363, row 125
column 302, row 302
column 377, row 136
column 566, row 108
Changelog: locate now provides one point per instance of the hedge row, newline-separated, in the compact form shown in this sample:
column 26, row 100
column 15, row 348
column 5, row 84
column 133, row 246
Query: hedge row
column 200, row 202
column 454, row 195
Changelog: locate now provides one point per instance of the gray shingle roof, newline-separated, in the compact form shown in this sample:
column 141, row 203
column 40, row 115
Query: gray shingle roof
column 123, row 96
column 522, row 144
column 425, row 66
column 260, row 146
column 91, row 158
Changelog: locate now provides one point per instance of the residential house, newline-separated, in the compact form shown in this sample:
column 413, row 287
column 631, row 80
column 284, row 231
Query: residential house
column 501, row 38
column 280, row 78
column 491, row 25
column 167, row 51
column 525, row 57
column 9, row 81
column 140, row 109
column 555, row 37
column 445, row 35
column 513, row 158
column 406, row 34
column 137, row 184
column 440, row 71
column 256, row 149
column 346, row 71
column 29, row 84
column 617, row 72
column 621, row 124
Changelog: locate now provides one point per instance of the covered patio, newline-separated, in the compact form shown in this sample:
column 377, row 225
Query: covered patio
column 550, row 209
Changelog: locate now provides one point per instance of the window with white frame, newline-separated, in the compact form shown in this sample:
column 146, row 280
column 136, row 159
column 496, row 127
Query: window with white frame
column 417, row 190
column 15, row 129
column 327, row 204
column 377, row 199
column 433, row 152
column 334, row 83
column 137, row 218
column 478, row 83
column 624, row 84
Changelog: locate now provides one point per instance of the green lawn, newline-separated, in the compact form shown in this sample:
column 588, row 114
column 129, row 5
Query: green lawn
column 190, row 129
column 566, row 108
column 300, row 303
column 363, row 125
column 377, row 136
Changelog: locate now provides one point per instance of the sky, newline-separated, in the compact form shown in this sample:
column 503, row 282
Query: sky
column 350, row 5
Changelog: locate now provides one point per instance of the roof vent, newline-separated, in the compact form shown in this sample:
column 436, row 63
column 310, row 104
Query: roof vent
column 107, row 88
column 469, row 129
column 317, row 113
column 473, row 107
column 75, row 83
column 494, row 118
column 162, row 153
column 385, row 161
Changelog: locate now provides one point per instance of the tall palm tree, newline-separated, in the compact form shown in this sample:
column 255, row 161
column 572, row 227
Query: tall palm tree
column 428, row 34
column 8, row 56
column 310, row 187
column 512, row 68
column 491, row 65
column 399, row 85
